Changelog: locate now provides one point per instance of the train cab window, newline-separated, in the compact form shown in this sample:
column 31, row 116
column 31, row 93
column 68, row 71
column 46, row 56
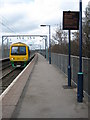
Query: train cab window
column 14, row 50
column 21, row 50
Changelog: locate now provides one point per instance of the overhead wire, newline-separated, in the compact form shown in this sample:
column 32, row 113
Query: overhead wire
column 8, row 23
column 4, row 22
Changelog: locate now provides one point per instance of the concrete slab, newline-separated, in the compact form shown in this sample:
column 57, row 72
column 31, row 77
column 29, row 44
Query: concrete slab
column 45, row 97
column 9, row 98
column 7, row 111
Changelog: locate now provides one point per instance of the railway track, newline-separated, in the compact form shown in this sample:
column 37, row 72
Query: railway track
column 7, row 78
column 8, row 74
column 4, row 63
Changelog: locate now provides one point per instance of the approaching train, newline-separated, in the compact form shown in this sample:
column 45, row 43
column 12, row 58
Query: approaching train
column 19, row 54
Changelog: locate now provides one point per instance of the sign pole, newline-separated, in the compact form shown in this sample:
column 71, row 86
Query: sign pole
column 80, row 74
column 70, row 22
column 69, row 63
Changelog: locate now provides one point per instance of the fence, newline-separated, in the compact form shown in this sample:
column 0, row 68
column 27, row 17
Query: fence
column 61, row 61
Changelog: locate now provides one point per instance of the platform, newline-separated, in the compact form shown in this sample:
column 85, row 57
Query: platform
column 45, row 95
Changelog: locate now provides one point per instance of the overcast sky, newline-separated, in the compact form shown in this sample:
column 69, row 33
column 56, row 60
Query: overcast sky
column 25, row 16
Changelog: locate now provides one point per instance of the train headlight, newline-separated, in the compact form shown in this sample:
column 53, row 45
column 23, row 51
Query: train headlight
column 24, row 58
column 12, row 58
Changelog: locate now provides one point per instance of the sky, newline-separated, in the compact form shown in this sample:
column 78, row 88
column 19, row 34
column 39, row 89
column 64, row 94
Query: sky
column 26, row 16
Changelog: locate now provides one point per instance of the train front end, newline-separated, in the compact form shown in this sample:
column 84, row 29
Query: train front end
column 19, row 55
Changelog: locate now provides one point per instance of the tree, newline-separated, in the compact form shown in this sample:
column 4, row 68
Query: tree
column 58, row 35
column 61, row 37
column 86, row 31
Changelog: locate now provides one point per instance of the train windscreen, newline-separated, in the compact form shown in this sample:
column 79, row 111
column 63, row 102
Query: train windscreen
column 18, row 50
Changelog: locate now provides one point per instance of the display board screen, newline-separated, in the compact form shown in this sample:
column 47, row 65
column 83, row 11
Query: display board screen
column 70, row 20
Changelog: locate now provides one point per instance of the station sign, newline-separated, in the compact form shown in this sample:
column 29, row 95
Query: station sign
column 70, row 20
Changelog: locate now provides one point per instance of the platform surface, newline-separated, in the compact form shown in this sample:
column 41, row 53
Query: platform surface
column 45, row 95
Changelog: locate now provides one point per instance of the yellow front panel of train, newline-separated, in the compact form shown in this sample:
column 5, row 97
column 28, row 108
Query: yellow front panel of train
column 18, row 56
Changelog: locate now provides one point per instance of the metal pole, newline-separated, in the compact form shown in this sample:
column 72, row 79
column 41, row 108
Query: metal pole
column 7, row 48
column 40, row 48
column 69, row 64
column 80, row 74
column 2, row 48
column 46, row 49
column 49, row 46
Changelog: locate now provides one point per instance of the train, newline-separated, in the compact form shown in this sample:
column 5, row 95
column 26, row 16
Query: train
column 19, row 54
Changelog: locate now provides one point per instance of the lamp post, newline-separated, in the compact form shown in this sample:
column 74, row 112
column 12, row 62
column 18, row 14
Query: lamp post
column 49, row 42
column 40, row 46
column 46, row 48
column 45, row 44
column 80, row 74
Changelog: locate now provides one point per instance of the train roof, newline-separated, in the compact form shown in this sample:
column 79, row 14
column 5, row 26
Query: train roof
column 19, row 43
